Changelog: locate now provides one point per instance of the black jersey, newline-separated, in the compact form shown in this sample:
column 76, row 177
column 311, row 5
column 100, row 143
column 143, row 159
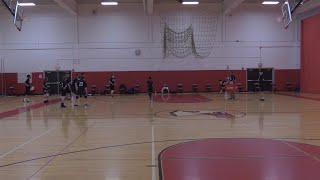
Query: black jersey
column 232, row 78
column 75, row 83
column 27, row 82
column 261, row 78
column 150, row 85
column 112, row 81
column 45, row 86
column 82, row 84
column 65, row 84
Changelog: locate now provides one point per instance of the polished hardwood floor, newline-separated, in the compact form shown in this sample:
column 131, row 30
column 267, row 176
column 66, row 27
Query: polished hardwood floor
column 120, row 138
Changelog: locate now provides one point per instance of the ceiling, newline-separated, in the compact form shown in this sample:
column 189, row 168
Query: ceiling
column 45, row 2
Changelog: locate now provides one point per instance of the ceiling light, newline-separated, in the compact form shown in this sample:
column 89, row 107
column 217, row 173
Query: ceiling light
column 190, row 2
column 109, row 3
column 270, row 2
column 27, row 4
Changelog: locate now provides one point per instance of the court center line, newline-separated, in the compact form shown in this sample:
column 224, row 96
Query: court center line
column 298, row 149
column 26, row 143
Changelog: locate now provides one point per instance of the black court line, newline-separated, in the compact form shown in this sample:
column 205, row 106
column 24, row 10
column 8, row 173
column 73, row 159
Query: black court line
column 140, row 143
column 53, row 157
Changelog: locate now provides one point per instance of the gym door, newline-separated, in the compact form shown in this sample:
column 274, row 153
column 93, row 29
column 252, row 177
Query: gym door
column 253, row 75
column 54, row 79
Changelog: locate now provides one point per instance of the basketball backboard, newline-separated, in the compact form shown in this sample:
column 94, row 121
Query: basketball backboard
column 16, row 11
column 286, row 14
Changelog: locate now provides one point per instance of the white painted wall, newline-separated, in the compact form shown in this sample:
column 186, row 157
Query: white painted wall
column 107, row 40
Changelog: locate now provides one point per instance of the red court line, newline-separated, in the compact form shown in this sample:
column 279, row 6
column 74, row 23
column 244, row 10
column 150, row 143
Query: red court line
column 26, row 109
column 300, row 96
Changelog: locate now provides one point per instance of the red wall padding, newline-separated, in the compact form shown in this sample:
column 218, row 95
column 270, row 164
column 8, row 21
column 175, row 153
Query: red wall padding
column 172, row 78
column 310, row 54
column 287, row 75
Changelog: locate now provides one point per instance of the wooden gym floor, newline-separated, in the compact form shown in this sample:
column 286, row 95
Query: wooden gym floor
column 120, row 138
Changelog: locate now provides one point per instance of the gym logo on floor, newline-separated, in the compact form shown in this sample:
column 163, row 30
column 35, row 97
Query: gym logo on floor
column 208, row 114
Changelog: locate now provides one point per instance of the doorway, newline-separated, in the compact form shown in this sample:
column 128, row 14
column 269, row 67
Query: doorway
column 253, row 75
column 54, row 79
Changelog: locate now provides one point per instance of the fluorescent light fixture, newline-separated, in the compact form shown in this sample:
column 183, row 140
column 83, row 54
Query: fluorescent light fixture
column 270, row 2
column 27, row 4
column 190, row 2
column 109, row 3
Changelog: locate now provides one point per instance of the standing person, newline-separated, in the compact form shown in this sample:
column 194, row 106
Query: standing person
column 74, row 90
column 232, row 78
column 45, row 88
column 232, row 81
column 82, row 89
column 28, row 87
column 261, row 85
column 69, row 90
column 150, row 87
column 65, row 85
column 112, row 84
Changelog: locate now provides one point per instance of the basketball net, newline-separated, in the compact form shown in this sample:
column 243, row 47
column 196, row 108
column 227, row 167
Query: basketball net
column 183, row 34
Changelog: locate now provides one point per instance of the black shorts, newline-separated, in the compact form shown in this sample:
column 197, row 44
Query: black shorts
column 63, row 92
column 150, row 90
column 27, row 90
column 82, row 92
column 68, row 91
column 261, row 85
column 73, row 89
column 112, row 87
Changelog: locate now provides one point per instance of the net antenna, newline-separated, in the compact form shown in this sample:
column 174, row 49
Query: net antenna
column 186, row 33
column 16, row 11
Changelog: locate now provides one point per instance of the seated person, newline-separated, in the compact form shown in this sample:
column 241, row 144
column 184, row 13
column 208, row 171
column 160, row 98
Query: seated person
column 165, row 89
column 123, row 88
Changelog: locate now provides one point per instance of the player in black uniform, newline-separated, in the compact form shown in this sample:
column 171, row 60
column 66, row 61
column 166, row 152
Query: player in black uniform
column 45, row 88
column 82, row 89
column 261, row 84
column 232, row 80
column 74, row 90
column 28, row 87
column 68, row 90
column 150, row 87
column 112, row 84
column 65, row 85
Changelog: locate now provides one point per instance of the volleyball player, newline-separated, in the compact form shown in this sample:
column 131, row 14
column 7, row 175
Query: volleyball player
column 261, row 85
column 69, row 90
column 74, row 90
column 232, row 81
column 65, row 85
column 150, row 87
column 112, row 85
column 82, row 89
column 28, row 87
column 45, row 88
